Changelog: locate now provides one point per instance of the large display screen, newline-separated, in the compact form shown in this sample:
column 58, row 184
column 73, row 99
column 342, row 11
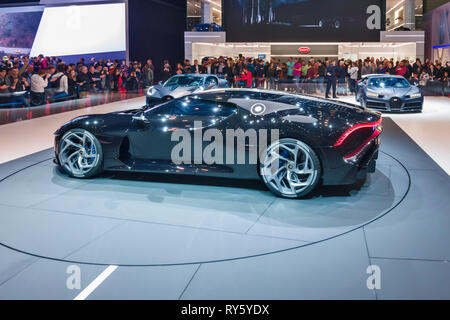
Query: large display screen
column 18, row 28
column 303, row 20
column 81, row 29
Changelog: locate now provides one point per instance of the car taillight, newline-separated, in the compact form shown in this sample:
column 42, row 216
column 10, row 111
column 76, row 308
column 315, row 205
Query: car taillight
column 356, row 127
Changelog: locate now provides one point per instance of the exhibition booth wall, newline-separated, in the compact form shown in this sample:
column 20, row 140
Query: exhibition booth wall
column 282, row 51
column 72, row 29
column 437, row 28
column 64, row 30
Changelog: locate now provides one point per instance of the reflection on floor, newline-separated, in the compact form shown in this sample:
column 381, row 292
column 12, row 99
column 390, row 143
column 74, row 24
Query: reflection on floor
column 9, row 115
column 200, row 219
column 130, row 220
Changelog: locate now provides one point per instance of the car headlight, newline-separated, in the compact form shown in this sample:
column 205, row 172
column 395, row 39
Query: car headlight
column 415, row 95
column 151, row 91
column 372, row 94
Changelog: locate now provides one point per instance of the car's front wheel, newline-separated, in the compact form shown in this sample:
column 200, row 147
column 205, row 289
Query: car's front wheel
column 291, row 168
column 80, row 154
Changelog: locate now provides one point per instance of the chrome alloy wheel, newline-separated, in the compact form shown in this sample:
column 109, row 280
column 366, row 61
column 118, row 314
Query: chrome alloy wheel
column 288, row 168
column 78, row 153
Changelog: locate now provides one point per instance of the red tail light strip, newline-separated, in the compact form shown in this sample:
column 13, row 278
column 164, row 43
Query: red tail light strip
column 362, row 146
column 356, row 127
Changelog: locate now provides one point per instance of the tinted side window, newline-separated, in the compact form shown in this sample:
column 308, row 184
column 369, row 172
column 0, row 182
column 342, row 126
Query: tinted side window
column 162, row 109
column 210, row 81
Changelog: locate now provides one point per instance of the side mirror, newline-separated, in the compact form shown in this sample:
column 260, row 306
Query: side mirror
column 160, row 83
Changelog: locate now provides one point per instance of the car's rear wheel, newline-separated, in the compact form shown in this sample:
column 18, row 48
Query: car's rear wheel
column 291, row 168
column 80, row 154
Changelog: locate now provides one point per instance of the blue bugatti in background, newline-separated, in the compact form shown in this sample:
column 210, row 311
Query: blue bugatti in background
column 181, row 85
column 389, row 93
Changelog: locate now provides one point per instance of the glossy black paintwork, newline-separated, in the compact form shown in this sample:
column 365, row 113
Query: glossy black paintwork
column 140, row 140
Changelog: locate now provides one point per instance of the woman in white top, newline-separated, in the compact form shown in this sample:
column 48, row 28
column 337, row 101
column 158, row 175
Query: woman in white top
column 39, row 82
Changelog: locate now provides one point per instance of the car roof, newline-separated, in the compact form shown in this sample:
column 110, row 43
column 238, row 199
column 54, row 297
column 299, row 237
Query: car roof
column 193, row 75
column 381, row 76
column 280, row 93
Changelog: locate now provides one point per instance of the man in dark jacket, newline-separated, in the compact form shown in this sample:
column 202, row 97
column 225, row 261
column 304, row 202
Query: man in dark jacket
column 331, row 79
column 196, row 68
column 166, row 71
column 84, row 80
column 17, row 84
column 417, row 66
column 187, row 66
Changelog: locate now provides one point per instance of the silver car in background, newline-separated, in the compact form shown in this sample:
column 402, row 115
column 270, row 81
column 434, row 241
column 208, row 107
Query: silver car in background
column 389, row 93
column 181, row 85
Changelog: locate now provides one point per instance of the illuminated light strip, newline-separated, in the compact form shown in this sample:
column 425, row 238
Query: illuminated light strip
column 405, row 44
column 378, row 52
column 395, row 6
column 356, row 127
column 304, row 55
column 444, row 46
column 214, row 3
column 404, row 35
column 94, row 284
column 199, row 36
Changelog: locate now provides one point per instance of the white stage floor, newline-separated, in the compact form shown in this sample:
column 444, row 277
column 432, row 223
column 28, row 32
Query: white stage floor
column 150, row 237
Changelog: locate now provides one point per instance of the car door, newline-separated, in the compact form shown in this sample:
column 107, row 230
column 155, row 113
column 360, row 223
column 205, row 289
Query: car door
column 151, row 137
column 204, row 119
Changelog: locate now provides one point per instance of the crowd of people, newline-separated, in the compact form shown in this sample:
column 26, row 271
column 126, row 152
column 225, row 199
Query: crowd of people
column 36, row 81
column 339, row 76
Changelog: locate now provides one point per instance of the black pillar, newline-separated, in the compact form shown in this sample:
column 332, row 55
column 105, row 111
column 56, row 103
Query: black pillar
column 156, row 31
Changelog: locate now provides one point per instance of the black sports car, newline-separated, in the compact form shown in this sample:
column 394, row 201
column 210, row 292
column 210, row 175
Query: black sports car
column 319, row 141
column 389, row 93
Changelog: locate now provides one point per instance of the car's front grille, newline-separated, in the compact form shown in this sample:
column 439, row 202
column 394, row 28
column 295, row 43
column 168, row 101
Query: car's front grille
column 395, row 103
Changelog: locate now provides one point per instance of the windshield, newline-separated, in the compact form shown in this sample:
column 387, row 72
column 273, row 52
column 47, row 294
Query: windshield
column 187, row 81
column 388, row 82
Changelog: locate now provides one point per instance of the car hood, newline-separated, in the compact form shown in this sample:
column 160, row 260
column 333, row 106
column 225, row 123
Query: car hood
column 173, row 91
column 394, row 92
